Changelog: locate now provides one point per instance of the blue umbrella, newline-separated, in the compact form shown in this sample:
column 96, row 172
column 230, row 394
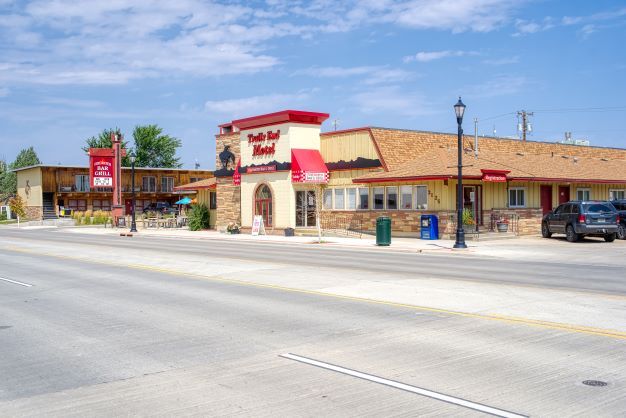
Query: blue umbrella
column 183, row 201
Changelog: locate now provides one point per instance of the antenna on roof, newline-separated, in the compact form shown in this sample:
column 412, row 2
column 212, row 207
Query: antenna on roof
column 335, row 124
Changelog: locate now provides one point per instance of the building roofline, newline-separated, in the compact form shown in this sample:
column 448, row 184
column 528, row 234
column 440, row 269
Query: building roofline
column 87, row 168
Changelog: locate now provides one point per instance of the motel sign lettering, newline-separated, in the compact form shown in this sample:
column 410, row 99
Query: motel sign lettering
column 259, row 145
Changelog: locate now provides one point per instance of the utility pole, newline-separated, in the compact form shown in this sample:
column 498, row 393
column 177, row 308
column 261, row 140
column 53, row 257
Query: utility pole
column 524, row 127
column 476, row 137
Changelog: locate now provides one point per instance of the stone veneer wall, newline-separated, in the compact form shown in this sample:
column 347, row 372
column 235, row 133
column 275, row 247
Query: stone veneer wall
column 407, row 223
column 228, row 203
column 34, row 213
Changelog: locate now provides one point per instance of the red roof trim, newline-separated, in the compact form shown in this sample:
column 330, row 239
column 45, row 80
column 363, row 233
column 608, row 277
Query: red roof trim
column 297, row 116
column 396, row 179
column 562, row 180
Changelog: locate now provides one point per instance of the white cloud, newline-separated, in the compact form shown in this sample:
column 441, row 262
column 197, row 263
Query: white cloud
column 501, row 85
column 436, row 55
column 392, row 100
column 255, row 104
column 502, row 61
column 371, row 74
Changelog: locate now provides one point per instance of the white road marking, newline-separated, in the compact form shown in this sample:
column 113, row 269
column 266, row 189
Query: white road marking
column 13, row 281
column 425, row 392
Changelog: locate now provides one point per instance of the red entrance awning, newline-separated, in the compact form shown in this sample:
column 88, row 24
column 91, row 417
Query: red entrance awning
column 307, row 166
column 496, row 176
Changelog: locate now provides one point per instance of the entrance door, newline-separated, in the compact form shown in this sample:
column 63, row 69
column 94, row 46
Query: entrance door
column 563, row 194
column 472, row 201
column 263, row 204
column 546, row 198
column 129, row 206
column 305, row 208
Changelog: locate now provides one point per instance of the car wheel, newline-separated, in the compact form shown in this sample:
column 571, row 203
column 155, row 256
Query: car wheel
column 545, row 230
column 621, row 232
column 610, row 237
column 570, row 234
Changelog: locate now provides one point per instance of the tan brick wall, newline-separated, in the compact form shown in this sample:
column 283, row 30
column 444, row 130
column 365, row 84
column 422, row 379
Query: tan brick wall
column 231, row 139
column 228, row 203
column 34, row 213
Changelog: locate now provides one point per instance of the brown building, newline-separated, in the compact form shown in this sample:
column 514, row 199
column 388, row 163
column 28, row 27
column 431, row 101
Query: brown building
column 48, row 188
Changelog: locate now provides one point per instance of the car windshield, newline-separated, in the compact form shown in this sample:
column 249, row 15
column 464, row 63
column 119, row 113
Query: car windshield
column 599, row 208
column 619, row 206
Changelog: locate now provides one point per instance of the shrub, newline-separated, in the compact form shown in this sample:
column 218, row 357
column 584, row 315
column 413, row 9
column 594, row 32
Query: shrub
column 199, row 218
column 3, row 216
column 17, row 206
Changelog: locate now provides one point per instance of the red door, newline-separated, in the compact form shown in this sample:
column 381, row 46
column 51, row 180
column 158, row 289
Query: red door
column 546, row 198
column 563, row 194
column 129, row 206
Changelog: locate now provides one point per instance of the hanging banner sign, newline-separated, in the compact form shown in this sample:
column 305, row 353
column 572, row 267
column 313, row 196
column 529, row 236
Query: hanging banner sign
column 315, row 178
column 494, row 176
column 257, row 226
column 101, row 171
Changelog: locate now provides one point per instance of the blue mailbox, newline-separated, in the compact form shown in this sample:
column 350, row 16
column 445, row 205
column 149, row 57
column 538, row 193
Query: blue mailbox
column 429, row 227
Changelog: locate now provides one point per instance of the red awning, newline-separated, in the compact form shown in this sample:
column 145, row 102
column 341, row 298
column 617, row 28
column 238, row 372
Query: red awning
column 237, row 174
column 496, row 176
column 307, row 166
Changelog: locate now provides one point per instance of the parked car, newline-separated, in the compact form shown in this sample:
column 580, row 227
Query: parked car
column 577, row 219
column 163, row 208
column 620, row 205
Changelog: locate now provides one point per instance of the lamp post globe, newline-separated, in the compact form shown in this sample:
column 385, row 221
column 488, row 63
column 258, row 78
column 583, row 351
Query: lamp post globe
column 133, row 223
column 459, row 110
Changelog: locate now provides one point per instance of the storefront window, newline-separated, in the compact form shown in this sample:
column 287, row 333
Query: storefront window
column 517, row 197
column 583, row 194
column 167, row 184
column 392, row 197
column 421, row 197
column 98, row 204
column 364, row 198
column 617, row 194
column 212, row 200
column 339, row 199
column 351, row 199
column 379, row 198
column 148, row 184
column 81, row 183
column 328, row 199
column 406, row 197
column 77, row 204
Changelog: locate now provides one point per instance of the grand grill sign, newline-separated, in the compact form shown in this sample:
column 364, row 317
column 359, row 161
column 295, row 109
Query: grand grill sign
column 101, row 171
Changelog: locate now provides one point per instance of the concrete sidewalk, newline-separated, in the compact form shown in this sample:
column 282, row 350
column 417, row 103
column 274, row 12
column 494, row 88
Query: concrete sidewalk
column 589, row 251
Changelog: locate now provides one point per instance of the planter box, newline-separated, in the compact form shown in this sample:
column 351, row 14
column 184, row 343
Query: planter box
column 502, row 227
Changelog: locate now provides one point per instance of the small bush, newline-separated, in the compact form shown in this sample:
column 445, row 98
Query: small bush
column 199, row 218
column 3, row 216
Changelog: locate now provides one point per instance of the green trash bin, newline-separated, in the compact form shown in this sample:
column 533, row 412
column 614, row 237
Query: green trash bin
column 383, row 230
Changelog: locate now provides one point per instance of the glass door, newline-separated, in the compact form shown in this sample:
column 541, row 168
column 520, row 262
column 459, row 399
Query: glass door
column 472, row 201
column 305, row 208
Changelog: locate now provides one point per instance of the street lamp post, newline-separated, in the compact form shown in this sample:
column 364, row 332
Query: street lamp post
column 459, row 109
column 133, row 224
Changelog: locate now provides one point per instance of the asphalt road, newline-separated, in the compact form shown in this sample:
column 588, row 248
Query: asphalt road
column 88, row 338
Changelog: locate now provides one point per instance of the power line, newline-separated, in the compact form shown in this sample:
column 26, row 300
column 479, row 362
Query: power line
column 584, row 109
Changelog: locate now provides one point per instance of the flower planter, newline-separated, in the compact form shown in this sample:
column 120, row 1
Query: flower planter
column 502, row 227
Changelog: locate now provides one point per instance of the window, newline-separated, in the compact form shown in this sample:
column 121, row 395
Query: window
column 617, row 194
column 406, row 197
column 517, row 197
column 351, row 199
column 339, row 199
column 212, row 200
column 392, row 197
column 379, row 198
column 364, row 198
column 583, row 194
column 421, row 197
column 148, row 184
column 101, row 204
column 77, row 204
column 82, row 183
column 328, row 199
column 167, row 184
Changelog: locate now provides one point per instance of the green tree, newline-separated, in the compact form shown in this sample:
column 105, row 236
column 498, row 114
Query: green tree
column 8, row 180
column 154, row 149
column 103, row 140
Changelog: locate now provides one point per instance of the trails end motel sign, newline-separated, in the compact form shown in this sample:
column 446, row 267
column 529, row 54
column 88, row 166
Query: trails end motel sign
column 101, row 171
column 261, row 142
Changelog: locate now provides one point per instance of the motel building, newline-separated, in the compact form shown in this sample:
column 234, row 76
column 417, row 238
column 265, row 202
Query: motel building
column 280, row 166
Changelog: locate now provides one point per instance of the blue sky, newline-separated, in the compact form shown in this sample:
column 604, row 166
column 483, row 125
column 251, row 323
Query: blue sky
column 69, row 69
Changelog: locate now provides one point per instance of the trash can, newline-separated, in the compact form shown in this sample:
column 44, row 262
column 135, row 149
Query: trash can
column 429, row 227
column 383, row 231
column 289, row 232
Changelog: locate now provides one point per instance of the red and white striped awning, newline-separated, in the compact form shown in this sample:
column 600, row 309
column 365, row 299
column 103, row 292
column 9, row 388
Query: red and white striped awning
column 307, row 166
